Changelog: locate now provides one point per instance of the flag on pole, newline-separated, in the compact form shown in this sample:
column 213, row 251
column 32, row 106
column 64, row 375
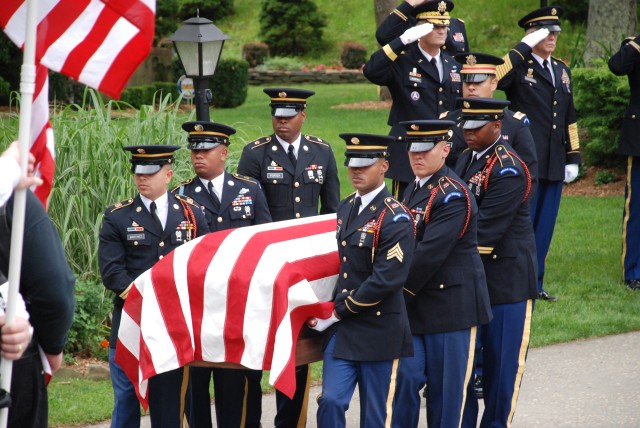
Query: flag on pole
column 238, row 296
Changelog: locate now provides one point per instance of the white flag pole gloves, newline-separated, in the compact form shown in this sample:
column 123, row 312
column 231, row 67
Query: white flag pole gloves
column 536, row 37
column 414, row 33
column 570, row 172
column 318, row 324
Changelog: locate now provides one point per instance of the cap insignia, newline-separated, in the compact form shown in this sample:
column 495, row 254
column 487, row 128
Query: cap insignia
column 140, row 151
column 355, row 140
column 372, row 208
column 415, row 127
column 282, row 94
column 466, row 104
column 442, row 7
column 198, row 128
column 471, row 60
column 450, row 133
column 554, row 11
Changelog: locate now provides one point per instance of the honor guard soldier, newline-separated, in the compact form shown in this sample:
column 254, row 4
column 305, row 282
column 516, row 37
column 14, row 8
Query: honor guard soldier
column 539, row 85
column 228, row 201
column 479, row 79
column 423, row 80
column 299, row 176
column 446, row 290
column 626, row 62
column 499, row 180
column 375, row 236
column 135, row 234
column 404, row 17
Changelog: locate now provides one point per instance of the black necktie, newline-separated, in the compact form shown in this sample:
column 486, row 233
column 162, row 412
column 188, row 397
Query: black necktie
column 547, row 69
column 214, row 197
column 154, row 214
column 354, row 210
column 435, row 66
column 292, row 156
column 416, row 187
column 474, row 158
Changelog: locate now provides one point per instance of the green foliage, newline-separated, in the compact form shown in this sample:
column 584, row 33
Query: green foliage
column 353, row 55
column 230, row 83
column 255, row 53
column 89, row 327
column 292, row 27
column 211, row 9
column 281, row 63
column 575, row 11
column 600, row 100
column 137, row 96
column 11, row 60
column 5, row 91
column 606, row 176
column 75, row 402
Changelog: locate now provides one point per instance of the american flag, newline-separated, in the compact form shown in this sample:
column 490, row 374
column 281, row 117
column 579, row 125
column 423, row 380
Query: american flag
column 238, row 296
column 98, row 42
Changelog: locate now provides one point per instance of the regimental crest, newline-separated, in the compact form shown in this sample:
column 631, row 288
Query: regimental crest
column 530, row 73
column 442, row 7
column 554, row 11
column 282, row 94
column 472, row 60
column 415, row 127
column 466, row 104
column 355, row 140
column 141, row 151
column 198, row 128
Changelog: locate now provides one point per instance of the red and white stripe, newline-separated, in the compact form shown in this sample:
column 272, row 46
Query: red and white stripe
column 42, row 144
column 240, row 296
column 98, row 42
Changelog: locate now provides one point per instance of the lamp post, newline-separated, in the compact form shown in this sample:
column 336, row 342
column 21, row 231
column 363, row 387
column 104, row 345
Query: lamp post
column 199, row 44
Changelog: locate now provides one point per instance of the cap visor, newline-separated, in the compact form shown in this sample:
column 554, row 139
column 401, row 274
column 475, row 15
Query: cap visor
column 203, row 145
column 284, row 112
column 420, row 147
column 474, row 124
column 554, row 28
column 146, row 169
column 359, row 162
column 474, row 78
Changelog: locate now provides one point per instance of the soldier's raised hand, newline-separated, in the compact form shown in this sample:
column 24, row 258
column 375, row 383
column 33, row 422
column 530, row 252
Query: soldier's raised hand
column 414, row 33
column 535, row 37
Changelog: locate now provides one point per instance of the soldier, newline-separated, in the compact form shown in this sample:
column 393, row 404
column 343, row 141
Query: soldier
column 627, row 62
column 375, row 237
column 298, row 173
column 423, row 80
column 500, row 182
column 539, row 85
column 446, row 290
column 404, row 17
column 135, row 234
column 228, row 201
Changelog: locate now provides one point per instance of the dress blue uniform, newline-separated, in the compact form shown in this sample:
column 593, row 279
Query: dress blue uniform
column 500, row 182
column 446, row 290
column 548, row 103
column 627, row 62
column 294, row 189
column 238, row 392
column 417, row 91
column 375, row 249
column 130, row 243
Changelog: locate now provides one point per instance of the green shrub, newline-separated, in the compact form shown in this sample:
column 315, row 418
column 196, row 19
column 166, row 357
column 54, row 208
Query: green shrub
column 600, row 100
column 229, row 83
column 255, row 53
column 65, row 90
column 281, row 64
column 91, row 321
column 574, row 10
column 292, row 28
column 214, row 10
column 353, row 55
column 5, row 90
column 605, row 176
column 137, row 96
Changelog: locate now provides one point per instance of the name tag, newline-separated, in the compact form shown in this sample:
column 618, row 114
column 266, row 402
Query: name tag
column 275, row 175
column 135, row 236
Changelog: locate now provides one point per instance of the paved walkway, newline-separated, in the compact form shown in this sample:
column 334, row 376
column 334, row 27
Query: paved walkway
column 587, row 384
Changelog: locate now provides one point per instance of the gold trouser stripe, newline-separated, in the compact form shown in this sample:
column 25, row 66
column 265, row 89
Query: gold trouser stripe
column 524, row 345
column 625, row 219
column 503, row 69
column 183, row 394
column 470, row 366
column 573, row 137
column 390, row 53
column 245, row 396
column 392, row 392
column 302, row 421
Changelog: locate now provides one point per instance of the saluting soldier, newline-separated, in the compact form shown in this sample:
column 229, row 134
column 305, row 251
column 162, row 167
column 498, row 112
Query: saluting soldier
column 499, row 180
column 404, row 17
column 135, row 234
column 446, row 290
column 299, row 176
column 375, row 236
column 627, row 62
column 539, row 85
column 228, row 201
column 423, row 80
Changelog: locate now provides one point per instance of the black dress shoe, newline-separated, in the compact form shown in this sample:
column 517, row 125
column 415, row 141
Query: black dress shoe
column 543, row 295
column 633, row 284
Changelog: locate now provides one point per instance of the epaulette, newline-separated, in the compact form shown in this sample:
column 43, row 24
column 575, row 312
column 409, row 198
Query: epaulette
column 184, row 183
column 447, row 185
column 504, row 157
column 458, row 19
column 260, row 142
column 519, row 115
column 186, row 199
column 443, row 115
column 121, row 204
column 561, row 60
column 626, row 40
column 316, row 140
column 394, row 206
column 245, row 178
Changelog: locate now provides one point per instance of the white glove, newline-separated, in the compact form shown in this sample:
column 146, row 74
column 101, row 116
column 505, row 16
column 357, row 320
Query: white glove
column 570, row 172
column 536, row 37
column 322, row 324
column 414, row 33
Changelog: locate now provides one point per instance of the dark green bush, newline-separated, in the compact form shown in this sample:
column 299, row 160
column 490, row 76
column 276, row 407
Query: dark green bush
column 63, row 89
column 605, row 176
column 138, row 96
column 575, row 11
column 229, row 83
column 292, row 27
column 214, row 10
column 600, row 100
column 91, row 321
column 353, row 55
column 255, row 53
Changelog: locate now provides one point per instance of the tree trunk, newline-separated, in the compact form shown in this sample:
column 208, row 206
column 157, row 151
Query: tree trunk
column 610, row 21
column 382, row 9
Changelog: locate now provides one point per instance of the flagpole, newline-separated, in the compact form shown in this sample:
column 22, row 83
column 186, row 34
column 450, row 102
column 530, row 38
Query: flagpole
column 27, row 88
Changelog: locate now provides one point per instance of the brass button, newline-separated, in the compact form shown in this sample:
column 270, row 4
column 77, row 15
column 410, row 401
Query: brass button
column 160, row 258
column 161, row 244
column 275, row 182
column 345, row 275
column 297, row 199
column 554, row 126
column 494, row 257
column 344, row 259
column 441, row 286
column 555, row 114
column 440, row 102
column 360, row 244
column 378, row 313
column 296, row 184
column 135, row 243
column 555, row 103
column 219, row 219
column 633, row 116
column 440, row 89
column 415, row 84
column 344, row 243
column 244, row 216
column 344, row 290
column 297, row 215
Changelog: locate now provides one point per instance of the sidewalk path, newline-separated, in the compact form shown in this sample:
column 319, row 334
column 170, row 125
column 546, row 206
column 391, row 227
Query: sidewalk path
column 587, row 384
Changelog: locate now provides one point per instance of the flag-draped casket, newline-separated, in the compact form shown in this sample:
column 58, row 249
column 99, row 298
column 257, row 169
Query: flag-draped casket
column 235, row 296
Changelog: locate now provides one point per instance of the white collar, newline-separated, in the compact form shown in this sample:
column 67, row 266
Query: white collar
column 480, row 154
column 162, row 206
column 218, row 184
column 540, row 59
column 285, row 145
column 366, row 199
